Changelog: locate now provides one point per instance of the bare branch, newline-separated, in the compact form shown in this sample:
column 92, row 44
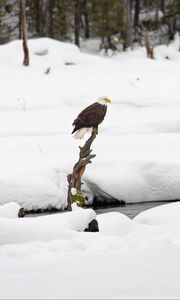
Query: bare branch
column 85, row 157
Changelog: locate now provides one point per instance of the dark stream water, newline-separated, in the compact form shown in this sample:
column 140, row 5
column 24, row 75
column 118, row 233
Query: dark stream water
column 130, row 210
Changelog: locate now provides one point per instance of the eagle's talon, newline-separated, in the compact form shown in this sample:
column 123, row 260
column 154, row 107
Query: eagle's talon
column 95, row 130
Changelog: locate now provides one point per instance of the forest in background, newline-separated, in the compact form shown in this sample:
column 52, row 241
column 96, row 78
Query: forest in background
column 119, row 24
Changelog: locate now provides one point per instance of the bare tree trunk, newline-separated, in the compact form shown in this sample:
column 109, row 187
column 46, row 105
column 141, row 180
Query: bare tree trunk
column 44, row 17
column 127, row 24
column 77, row 21
column 136, row 13
column 86, row 20
column 149, row 49
column 85, row 156
column 162, row 5
column 24, row 32
column 20, row 21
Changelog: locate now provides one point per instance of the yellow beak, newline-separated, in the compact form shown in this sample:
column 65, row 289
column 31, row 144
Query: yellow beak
column 108, row 100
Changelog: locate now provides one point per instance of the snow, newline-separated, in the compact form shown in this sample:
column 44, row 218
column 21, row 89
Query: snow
column 50, row 257
column 28, row 187
column 139, row 138
column 160, row 215
column 137, row 160
column 114, row 223
column 44, row 228
column 9, row 210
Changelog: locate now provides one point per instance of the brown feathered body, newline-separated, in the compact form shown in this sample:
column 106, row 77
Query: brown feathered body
column 90, row 117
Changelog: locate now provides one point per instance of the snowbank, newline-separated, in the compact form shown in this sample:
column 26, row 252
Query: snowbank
column 125, row 260
column 9, row 210
column 34, row 189
column 168, row 213
column 43, row 52
column 136, row 181
column 114, row 223
column 45, row 228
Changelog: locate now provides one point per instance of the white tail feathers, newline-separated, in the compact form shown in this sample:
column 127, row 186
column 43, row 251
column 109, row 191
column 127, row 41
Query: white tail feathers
column 79, row 134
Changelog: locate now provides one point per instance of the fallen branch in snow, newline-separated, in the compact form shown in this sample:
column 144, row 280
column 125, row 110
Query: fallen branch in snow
column 74, row 179
column 47, row 71
column 22, row 103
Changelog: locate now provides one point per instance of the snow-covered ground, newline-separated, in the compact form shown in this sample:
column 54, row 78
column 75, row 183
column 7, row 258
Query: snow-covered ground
column 137, row 160
column 49, row 257
column 139, row 139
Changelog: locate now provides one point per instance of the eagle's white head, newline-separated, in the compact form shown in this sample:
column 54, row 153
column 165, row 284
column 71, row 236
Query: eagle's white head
column 104, row 100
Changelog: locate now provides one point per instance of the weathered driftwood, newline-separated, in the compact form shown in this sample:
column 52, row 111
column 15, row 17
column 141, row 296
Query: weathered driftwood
column 85, row 156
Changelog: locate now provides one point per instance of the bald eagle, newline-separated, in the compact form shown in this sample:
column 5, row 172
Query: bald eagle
column 90, row 118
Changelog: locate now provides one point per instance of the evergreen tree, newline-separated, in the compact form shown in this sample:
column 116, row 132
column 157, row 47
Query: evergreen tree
column 115, row 22
column 59, row 24
column 107, row 20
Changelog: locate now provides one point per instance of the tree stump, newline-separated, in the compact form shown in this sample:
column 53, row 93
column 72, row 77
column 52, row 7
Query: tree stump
column 74, row 179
